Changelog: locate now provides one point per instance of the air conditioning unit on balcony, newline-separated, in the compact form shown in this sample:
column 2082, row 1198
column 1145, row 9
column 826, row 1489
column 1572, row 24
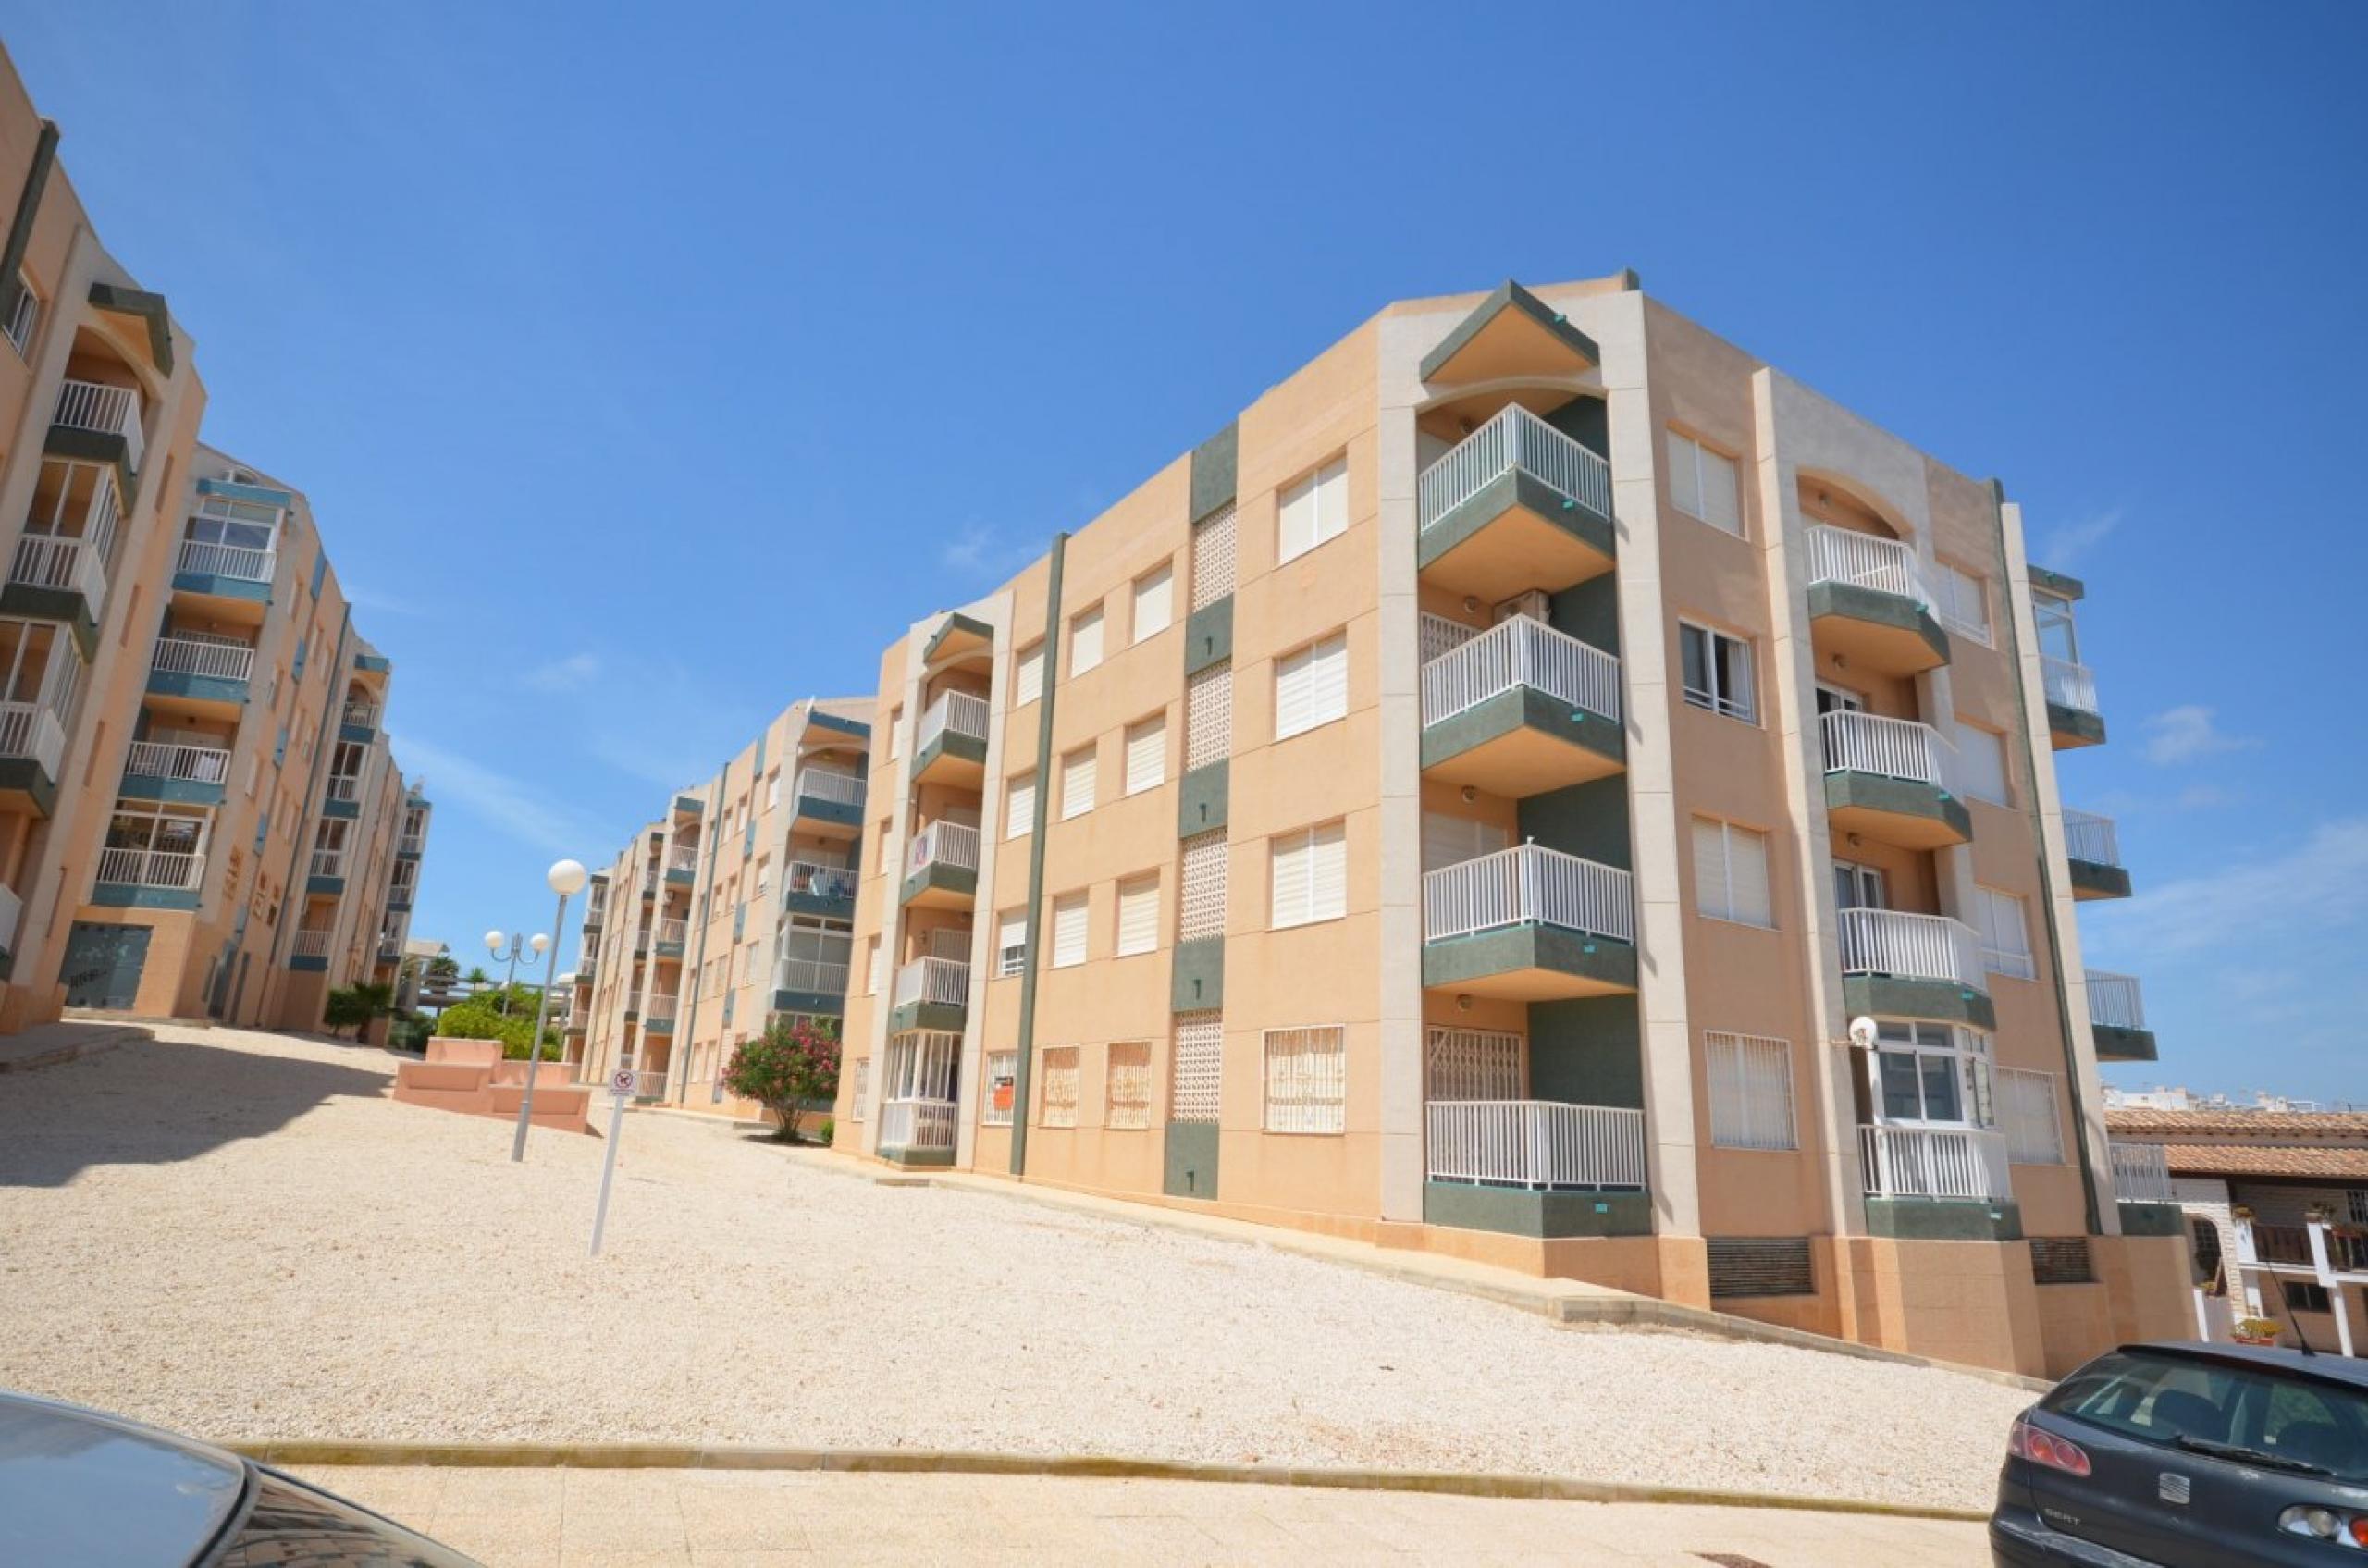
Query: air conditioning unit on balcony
column 1534, row 604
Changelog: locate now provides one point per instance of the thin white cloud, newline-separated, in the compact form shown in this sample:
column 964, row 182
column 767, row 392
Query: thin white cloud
column 2187, row 733
column 572, row 674
column 2288, row 900
column 508, row 804
column 2072, row 543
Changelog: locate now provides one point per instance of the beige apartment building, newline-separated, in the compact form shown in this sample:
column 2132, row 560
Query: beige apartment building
column 732, row 909
column 198, row 810
column 1542, row 786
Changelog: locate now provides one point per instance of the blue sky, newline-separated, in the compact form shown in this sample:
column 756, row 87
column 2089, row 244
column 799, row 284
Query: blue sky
column 803, row 325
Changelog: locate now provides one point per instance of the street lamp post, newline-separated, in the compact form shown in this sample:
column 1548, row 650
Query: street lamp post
column 518, row 944
column 566, row 879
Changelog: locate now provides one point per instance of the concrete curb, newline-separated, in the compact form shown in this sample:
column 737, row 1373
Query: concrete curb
column 293, row 1453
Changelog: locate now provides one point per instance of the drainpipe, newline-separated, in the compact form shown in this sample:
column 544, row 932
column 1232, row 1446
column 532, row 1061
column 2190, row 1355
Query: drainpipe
column 20, row 230
column 1022, row 1071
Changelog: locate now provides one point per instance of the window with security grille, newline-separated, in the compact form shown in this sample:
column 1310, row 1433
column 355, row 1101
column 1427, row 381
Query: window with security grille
column 1011, row 942
column 1472, row 1064
column 1307, row 1079
column 1751, row 1090
column 1200, row 1047
column 2356, row 1199
column 2061, row 1260
column 995, row 1105
column 862, row 1089
column 1212, row 559
column 1127, row 1092
column 1208, row 716
column 1760, row 1265
column 1200, row 905
column 2027, row 1115
column 1058, row 1106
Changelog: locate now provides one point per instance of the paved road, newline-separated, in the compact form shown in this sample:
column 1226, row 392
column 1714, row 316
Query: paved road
column 712, row 1519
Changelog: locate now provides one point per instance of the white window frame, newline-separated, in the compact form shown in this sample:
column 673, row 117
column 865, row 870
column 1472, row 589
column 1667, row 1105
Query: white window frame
column 1085, row 640
column 1137, row 900
column 1147, row 753
column 1011, row 942
column 1028, row 674
column 1728, row 910
column 1153, row 603
column 1965, row 602
column 1312, row 686
column 1698, row 471
column 1019, row 805
column 2020, row 1117
column 1714, row 696
column 1325, row 491
column 1750, row 1079
column 1072, row 915
column 25, row 320
column 1964, row 1053
column 1302, row 903
column 1994, row 909
column 1304, row 1081
column 1077, row 769
column 1968, row 779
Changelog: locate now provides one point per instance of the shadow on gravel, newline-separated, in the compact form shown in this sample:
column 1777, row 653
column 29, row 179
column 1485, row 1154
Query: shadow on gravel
column 153, row 1102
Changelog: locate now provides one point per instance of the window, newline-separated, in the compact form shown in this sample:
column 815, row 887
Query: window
column 1068, row 930
column 896, row 730
column 1312, row 686
column 1058, row 1108
column 1020, row 806
column 1085, row 641
column 1213, row 552
column 1028, row 674
column 1011, row 941
column 2303, row 1295
column 1154, row 602
column 1308, row 875
column 1717, row 671
column 862, row 1091
column 2356, row 1199
column 1147, row 754
column 1964, row 603
column 1138, row 915
column 871, row 960
column 1077, row 782
column 1932, row 1072
column 2056, row 637
column 1307, row 1079
column 1702, row 483
column 1313, row 509
column 1859, row 888
column 1751, row 1091
column 1731, row 873
column 1002, row 1078
column 23, row 314
column 1199, row 903
column 1126, row 1089
column 1208, row 716
column 2026, row 1115
column 2006, row 940
column 1982, row 773
column 1200, row 1049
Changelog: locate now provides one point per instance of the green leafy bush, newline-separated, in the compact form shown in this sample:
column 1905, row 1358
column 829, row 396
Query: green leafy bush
column 786, row 1069
column 478, row 1020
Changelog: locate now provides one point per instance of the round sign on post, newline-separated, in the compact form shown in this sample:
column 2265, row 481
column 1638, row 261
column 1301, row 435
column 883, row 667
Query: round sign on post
column 622, row 1082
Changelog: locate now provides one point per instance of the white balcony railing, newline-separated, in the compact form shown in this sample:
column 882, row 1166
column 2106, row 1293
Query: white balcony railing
column 661, row 1004
column 54, row 560
column 684, row 859
column 2090, row 837
column 957, row 711
column 328, row 862
column 944, row 844
column 200, row 656
column 2114, row 1000
column 109, row 411
column 1904, row 946
column 191, row 764
column 943, row 981
column 1528, row 885
column 310, row 943
column 1514, row 438
column 151, row 867
column 1865, row 560
column 229, row 561
column 30, row 729
column 1520, row 652
column 837, row 789
column 811, row 974
column 916, row 1124
column 1894, row 748
column 819, row 881
column 12, row 914
column 2141, row 1173
column 412, row 844
column 1935, row 1162
column 2069, row 685
column 674, row 930
column 1536, row 1143
column 345, row 787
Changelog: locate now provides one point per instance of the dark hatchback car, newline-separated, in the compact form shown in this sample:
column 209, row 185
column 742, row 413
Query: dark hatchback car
column 90, row 1490
column 2189, row 1455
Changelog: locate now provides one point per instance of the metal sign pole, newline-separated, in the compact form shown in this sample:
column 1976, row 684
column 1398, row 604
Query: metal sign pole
column 621, row 1086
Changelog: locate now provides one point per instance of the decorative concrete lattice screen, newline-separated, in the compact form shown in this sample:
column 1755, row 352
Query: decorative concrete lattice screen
column 1060, row 1087
column 1307, row 1079
column 1127, row 1096
column 1208, row 716
column 1769, row 1266
column 2026, row 1115
column 1473, row 1063
column 1200, row 1045
column 1751, row 1090
column 1200, row 906
column 1213, row 558
column 2060, row 1260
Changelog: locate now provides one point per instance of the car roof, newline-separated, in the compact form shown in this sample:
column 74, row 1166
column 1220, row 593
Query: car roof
column 2326, row 1365
column 91, row 1489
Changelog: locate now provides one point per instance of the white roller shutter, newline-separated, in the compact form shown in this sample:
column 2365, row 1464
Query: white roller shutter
column 1027, row 675
column 1068, row 930
column 1154, row 602
column 1019, row 807
column 1085, row 641
column 1077, row 782
column 1312, row 686
column 1137, row 915
column 1147, row 754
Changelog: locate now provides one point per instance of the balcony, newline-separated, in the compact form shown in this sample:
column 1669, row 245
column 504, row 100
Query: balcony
column 809, row 888
column 309, row 950
column 673, row 935
column 233, row 572
column 211, row 675
column 100, row 423
column 399, row 897
column 1535, row 1167
column 942, row 867
column 2073, row 717
column 2095, row 850
column 917, row 1126
column 950, row 748
column 415, row 845
column 358, row 721
column 191, row 775
column 828, row 804
column 2118, row 1018
column 342, row 796
column 32, row 747
column 1867, row 602
column 1888, row 779
column 931, row 994
column 657, row 1010
column 1515, row 505
column 2141, row 1173
column 59, row 577
column 1529, row 924
column 12, row 915
column 1960, row 1164
column 155, row 879
column 809, row 985
column 682, row 866
column 327, row 875
column 1900, row 965
column 1518, row 710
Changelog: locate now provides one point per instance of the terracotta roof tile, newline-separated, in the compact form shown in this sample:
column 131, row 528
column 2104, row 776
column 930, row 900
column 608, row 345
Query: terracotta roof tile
column 2314, row 1127
column 2267, row 1159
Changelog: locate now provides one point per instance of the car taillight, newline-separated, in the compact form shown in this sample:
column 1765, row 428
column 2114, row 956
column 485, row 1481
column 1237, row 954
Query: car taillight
column 2042, row 1446
column 2326, row 1525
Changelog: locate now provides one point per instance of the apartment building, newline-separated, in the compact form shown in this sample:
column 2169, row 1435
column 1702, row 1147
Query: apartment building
column 192, row 772
column 732, row 909
column 1541, row 785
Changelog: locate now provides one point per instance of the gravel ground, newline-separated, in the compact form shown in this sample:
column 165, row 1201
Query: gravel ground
column 238, row 1236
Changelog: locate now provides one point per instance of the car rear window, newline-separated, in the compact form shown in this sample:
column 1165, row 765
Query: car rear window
column 2160, row 1399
